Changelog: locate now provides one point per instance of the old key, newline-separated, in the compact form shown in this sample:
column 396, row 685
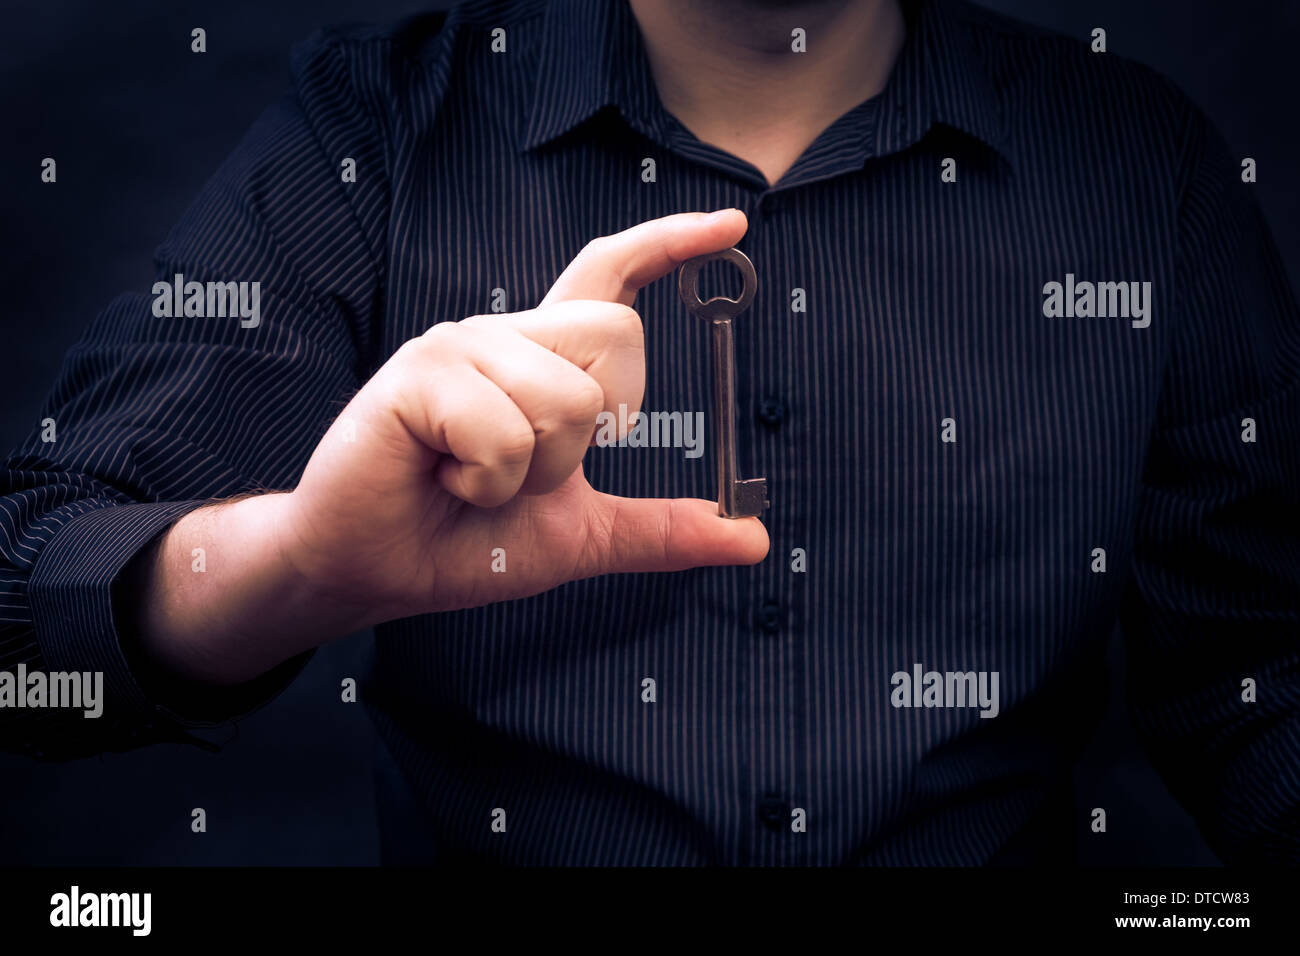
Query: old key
column 736, row 498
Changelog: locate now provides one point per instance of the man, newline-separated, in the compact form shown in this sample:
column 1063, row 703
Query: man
column 1023, row 362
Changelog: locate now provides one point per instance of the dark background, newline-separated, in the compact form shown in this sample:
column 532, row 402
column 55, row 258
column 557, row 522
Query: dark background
column 137, row 123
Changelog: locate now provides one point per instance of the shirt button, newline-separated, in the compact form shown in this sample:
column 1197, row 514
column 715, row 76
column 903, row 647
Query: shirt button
column 771, row 411
column 769, row 617
column 771, row 810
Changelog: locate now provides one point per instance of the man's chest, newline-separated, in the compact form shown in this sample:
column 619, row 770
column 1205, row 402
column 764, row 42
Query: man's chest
column 948, row 389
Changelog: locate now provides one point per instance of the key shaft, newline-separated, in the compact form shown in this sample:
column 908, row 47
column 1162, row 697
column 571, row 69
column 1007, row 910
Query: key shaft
column 737, row 498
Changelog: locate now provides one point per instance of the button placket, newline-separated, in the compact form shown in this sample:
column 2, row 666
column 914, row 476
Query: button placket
column 772, row 811
column 772, row 411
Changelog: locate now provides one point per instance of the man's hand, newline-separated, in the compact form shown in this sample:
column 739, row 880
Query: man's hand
column 469, row 439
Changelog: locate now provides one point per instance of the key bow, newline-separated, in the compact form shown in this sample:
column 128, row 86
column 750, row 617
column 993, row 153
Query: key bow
column 719, row 306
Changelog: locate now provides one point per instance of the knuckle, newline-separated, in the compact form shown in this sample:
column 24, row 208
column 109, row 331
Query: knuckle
column 406, row 363
column 627, row 325
column 406, row 351
column 438, row 335
column 599, row 541
column 584, row 403
column 514, row 447
column 595, row 248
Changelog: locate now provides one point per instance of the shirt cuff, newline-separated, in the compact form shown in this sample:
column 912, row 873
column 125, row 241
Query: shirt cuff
column 81, row 627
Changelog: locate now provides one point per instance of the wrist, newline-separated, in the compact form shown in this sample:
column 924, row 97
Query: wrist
column 319, row 572
column 221, row 600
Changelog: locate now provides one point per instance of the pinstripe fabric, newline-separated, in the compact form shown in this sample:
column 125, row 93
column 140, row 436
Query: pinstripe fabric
column 480, row 171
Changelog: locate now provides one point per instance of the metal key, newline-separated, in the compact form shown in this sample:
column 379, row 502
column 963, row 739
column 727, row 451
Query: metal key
column 736, row 498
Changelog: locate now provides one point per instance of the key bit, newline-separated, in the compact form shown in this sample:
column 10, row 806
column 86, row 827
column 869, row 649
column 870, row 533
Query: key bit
column 737, row 498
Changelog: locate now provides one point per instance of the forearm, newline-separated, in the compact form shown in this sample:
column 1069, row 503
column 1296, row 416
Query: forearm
column 219, row 600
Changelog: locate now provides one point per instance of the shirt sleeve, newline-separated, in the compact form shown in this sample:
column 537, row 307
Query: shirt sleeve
column 153, row 416
column 1212, row 616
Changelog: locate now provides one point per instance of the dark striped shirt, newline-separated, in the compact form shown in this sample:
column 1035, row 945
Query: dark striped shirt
column 896, row 310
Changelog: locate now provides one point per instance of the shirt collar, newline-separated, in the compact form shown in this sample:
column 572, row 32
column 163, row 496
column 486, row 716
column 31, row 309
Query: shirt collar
column 591, row 56
column 941, row 77
column 576, row 76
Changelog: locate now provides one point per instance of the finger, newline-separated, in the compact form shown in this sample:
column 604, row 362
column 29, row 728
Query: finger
column 667, row 534
column 560, row 401
column 486, row 440
column 603, row 339
column 614, row 267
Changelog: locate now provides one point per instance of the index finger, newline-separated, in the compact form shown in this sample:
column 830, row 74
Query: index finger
column 613, row 268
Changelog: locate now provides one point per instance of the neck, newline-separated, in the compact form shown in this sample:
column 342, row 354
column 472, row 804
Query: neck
column 726, row 68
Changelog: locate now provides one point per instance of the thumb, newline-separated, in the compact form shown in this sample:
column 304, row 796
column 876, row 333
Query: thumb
column 667, row 534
